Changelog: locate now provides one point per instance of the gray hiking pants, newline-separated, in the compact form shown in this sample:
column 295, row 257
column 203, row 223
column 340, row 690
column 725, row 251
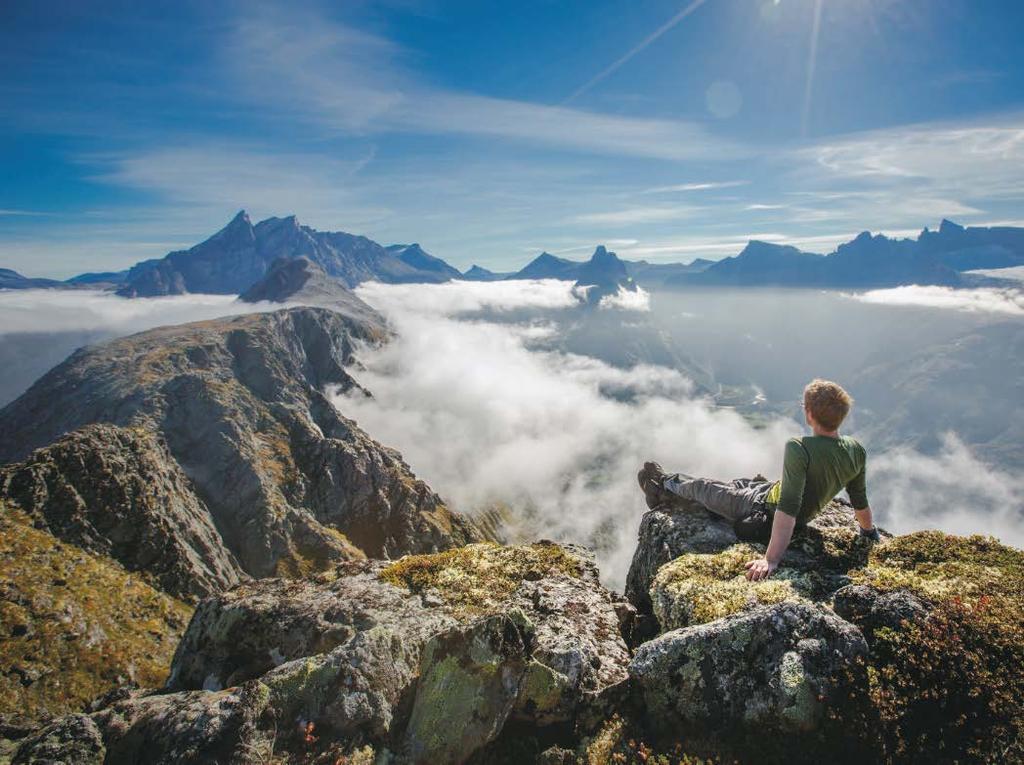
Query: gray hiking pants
column 735, row 500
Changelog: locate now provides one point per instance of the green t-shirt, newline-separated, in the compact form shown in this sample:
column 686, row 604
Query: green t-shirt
column 814, row 470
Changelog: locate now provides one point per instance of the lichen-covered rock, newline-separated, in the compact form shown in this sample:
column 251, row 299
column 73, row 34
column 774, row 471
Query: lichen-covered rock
column 470, row 679
column 117, row 492
column 72, row 740
column 696, row 588
column 700, row 587
column 774, row 670
column 829, row 542
column 355, row 690
column 258, row 625
column 225, row 728
column 363, row 651
column 666, row 532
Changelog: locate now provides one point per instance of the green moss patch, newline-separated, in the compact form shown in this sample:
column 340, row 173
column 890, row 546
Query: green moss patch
column 75, row 625
column 942, row 567
column 479, row 577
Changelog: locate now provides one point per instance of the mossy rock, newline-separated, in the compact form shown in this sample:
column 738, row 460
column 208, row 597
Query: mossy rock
column 477, row 578
column 699, row 588
column 942, row 567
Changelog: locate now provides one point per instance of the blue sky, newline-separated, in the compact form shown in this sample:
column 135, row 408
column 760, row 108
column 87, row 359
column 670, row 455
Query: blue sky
column 490, row 131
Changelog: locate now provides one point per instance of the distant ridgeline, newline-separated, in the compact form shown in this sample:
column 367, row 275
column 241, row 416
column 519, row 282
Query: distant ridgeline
column 241, row 253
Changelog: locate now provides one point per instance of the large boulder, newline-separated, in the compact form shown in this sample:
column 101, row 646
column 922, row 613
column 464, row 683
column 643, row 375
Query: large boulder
column 226, row 728
column 429, row 657
column 680, row 527
column 771, row 671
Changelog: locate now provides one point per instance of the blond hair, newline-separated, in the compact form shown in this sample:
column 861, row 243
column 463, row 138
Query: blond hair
column 827, row 402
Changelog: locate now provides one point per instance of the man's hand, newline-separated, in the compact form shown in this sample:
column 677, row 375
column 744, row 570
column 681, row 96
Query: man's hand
column 871, row 534
column 760, row 569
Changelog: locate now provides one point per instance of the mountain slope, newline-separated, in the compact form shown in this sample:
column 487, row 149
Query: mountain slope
column 240, row 254
column 603, row 275
column 76, row 624
column 971, row 385
column 548, row 266
column 301, row 281
column 481, row 274
column 416, row 257
column 288, row 482
column 12, row 280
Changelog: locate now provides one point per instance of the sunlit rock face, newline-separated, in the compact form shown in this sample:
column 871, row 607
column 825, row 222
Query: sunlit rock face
column 228, row 421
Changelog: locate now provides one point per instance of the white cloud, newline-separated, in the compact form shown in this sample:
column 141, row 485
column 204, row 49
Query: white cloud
column 453, row 298
column 484, row 415
column 953, row 491
column 90, row 310
column 628, row 300
column 948, row 153
column 482, row 418
column 705, row 186
column 635, row 215
column 980, row 300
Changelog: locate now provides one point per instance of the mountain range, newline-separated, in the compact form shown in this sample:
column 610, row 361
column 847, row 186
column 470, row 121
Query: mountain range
column 241, row 253
column 935, row 257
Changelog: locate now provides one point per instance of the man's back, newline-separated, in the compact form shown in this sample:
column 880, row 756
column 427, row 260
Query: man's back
column 815, row 469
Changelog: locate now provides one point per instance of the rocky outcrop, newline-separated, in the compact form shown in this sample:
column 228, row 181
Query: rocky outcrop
column 212, row 728
column 118, row 492
column 679, row 528
column 238, row 406
column 303, row 282
column 769, row 672
column 431, row 658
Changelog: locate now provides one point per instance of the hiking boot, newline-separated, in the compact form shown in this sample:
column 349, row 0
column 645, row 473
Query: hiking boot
column 651, row 479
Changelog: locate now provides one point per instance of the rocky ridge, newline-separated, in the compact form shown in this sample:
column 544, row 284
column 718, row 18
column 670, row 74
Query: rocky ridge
column 893, row 652
column 239, row 406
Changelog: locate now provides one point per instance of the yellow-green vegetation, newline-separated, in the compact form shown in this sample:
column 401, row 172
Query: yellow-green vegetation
column 697, row 588
column 949, row 688
column 939, row 567
column 75, row 625
column 615, row 744
column 477, row 578
column 307, row 556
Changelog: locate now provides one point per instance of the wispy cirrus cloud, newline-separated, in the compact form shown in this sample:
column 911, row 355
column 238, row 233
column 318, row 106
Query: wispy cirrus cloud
column 973, row 157
column 347, row 80
column 702, row 186
column 634, row 215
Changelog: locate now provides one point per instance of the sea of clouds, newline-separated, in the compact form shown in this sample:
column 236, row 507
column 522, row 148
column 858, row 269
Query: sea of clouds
column 487, row 414
column 996, row 300
column 486, row 417
column 40, row 328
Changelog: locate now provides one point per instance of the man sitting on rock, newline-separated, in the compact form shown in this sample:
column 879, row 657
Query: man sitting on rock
column 814, row 469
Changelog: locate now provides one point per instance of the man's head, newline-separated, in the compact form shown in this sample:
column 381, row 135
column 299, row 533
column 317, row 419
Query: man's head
column 826, row 404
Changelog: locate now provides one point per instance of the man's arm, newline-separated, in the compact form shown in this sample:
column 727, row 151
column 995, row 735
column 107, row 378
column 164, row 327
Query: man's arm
column 782, row 533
